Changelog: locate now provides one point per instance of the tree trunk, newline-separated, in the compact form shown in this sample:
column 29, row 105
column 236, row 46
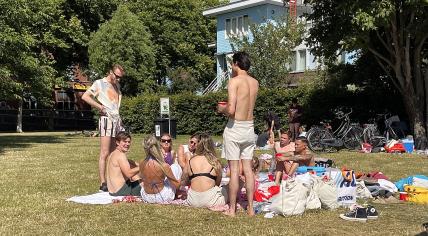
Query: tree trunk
column 19, row 118
column 415, row 113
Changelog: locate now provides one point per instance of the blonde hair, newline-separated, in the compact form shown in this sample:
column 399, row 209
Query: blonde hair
column 153, row 151
column 206, row 148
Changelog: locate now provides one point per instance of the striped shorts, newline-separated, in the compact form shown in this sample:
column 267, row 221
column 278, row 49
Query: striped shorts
column 109, row 127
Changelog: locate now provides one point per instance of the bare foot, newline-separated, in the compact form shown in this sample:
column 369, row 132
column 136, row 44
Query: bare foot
column 229, row 213
column 250, row 212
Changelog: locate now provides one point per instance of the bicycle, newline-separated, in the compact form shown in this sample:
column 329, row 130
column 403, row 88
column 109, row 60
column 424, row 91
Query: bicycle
column 348, row 135
column 371, row 133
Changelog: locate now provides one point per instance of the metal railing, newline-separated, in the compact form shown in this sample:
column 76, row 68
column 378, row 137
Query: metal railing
column 217, row 83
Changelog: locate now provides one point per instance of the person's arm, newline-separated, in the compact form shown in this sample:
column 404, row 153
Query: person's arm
column 168, row 172
column 219, row 174
column 125, row 167
column 88, row 98
column 305, row 157
column 181, row 157
column 229, row 110
column 185, row 177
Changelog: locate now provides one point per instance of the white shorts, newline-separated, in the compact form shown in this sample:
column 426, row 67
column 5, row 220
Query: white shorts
column 238, row 140
column 214, row 196
column 109, row 127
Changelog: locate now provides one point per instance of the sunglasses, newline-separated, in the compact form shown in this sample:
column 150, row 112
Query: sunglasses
column 192, row 142
column 118, row 77
column 166, row 140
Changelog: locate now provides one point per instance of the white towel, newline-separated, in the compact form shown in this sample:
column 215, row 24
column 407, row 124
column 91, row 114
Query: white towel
column 96, row 198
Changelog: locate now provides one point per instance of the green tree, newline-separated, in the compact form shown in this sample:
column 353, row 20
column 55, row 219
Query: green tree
column 91, row 15
column 30, row 34
column 181, row 35
column 270, row 47
column 125, row 40
column 395, row 32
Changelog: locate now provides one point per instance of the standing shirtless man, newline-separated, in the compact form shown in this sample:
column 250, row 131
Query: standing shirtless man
column 239, row 136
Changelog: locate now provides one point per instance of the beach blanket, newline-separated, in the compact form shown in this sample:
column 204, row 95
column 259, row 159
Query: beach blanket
column 103, row 198
column 96, row 198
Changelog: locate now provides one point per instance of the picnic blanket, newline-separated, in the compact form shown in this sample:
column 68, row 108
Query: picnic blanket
column 96, row 198
column 104, row 198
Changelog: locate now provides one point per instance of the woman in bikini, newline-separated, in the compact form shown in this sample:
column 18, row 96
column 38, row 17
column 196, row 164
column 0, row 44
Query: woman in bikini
column 160, row 180
column 169, row 155
column 203, row 172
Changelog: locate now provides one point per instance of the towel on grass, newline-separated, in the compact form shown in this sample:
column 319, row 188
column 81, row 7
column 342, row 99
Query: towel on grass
column 103, row 198
column 96, row 198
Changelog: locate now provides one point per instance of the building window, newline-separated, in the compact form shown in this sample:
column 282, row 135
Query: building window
column 65, row 101
column 301, row 64
column 237, row 26
column 298, row 61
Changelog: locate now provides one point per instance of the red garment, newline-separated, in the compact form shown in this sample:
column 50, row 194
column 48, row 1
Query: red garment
column 377, row 175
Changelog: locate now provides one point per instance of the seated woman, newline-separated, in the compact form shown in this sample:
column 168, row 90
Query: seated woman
column 187, row 151
column 204, row 174
column 286, row 148
column 169, row 155
column 160, row 180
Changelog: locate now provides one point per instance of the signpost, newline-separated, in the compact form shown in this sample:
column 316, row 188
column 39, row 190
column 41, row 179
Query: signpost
column 164, row 110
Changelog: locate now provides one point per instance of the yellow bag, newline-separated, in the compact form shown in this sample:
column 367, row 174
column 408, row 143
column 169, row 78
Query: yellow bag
column 416, row 194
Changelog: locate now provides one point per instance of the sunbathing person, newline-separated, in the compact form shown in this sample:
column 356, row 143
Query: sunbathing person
column 121, row 173
column 204, row 174
column 160, row 180
column 169, row 155
column 302, row 155
column 286, row 148
column 187, row 151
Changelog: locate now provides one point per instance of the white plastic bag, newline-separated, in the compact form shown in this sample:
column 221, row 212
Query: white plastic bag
column 362, row 191
column 327, row 193
column 292, row 198
column 346, row 188
column 313, row 201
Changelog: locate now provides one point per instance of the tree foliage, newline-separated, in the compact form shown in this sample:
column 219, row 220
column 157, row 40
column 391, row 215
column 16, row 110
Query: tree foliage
column 31, row 32
column 181, row 35
column 270, row 47
column 395, row 32
column 125, row 40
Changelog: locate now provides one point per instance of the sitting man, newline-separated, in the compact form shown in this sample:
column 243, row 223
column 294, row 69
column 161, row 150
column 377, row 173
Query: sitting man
column 302, row 155
column 122, row 174
column 286, row 148
column 185, row 152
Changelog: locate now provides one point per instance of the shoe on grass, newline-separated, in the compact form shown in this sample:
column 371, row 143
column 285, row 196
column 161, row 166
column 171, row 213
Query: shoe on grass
column 103, row 187
column 358, row 214
column 372, row 213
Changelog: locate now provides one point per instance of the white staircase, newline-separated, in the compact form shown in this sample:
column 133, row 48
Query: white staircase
column 217, row 83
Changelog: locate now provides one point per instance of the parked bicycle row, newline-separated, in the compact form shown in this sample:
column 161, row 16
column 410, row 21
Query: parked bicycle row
column 325, row 138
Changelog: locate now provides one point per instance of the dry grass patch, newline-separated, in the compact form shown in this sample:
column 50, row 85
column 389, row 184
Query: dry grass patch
column 38, row 171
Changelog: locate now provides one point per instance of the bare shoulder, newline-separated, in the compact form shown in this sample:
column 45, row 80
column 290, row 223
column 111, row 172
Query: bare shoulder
column 117, row 155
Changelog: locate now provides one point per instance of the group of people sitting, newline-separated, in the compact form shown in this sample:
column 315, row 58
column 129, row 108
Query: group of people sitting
column 158, row 177
column 194, row 171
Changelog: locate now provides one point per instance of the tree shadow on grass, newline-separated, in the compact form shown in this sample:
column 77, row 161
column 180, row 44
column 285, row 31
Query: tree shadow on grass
column 20, row 142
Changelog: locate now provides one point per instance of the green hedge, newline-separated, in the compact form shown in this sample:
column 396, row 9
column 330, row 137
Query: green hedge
column 196, row 113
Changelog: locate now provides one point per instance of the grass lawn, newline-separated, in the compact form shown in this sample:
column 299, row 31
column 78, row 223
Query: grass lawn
column 38, row 171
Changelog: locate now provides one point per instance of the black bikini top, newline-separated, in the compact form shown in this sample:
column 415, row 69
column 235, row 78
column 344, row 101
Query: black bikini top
column 209, row 175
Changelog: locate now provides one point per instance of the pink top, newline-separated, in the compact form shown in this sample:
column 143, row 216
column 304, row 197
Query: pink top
column 287, row 148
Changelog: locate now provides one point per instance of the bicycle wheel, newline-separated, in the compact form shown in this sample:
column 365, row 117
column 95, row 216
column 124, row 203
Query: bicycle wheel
column 353, row 138
column 315, row 137
column 372, row 136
